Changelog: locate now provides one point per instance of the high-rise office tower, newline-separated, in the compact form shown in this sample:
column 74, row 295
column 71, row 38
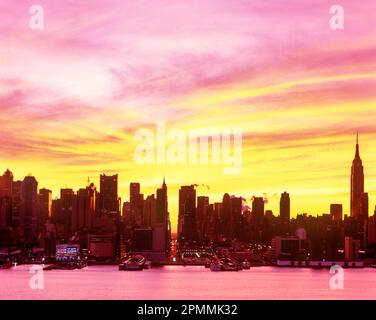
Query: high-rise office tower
column 134, row 191
column 235, row 216
column 336, row 212
column 136, row 200
column 84, row 209
column 149, row 215
column 108, row 197
column 126, row 210
column 6, row 184
column 45, row 205
column 66, row 197
column 258, row 210
column 357, row 184
column 16, row 203
column 162, row 204
column 29, row 208
column 5, row 212
column 162, row 215
column 211, row 223
column 225, row 215
column 284, row 207
column 62, row 210
column 187, row 230
column 202, row 215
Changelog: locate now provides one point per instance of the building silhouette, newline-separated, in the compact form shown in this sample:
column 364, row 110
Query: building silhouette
column 150, row 211
column 225, row 216
column 16, row 203
column 258, row 210
column 187, row 229
column 284, row 207
column 162, row 217
column 136, row 200
column 108, row 197
column 29, row 208
column 336, row 212
column 202, row 215
column 357, row 184
column 84, row 208
column 45, row 206
column 6, row 184
column 6, row 187
column 235, row 216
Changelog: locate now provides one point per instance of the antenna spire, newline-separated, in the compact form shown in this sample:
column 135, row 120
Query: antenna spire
column 357, row 155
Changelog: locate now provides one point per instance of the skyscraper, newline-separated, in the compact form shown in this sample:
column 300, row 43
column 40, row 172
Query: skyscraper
column 45, row 205
column 225, row 216
column 149, row 215
column 108, row 198
column 258, row 210
column 136, row 202
column 357, row 184
column 134, row 191
column 284, row 207
column 162, row 204
column 29, row 207
column 162, row 217
column 6, row 186
column 16, row 203
column 202, row 215
column 84, row 209
column 336, row 212
column 63, row 211
column 235, row 216
column 187, row 229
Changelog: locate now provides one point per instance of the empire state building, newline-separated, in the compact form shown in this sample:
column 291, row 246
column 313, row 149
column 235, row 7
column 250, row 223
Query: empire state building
column 357, row 184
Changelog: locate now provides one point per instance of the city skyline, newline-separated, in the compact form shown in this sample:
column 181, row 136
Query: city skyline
column 357, row 191
column 296, row 88
column 196, row 151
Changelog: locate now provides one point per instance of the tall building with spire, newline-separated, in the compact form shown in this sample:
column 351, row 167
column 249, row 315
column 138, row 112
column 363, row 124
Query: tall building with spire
column 357, row 183
column 162, row 222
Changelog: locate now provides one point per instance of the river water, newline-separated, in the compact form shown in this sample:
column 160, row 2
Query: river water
column 178, row 282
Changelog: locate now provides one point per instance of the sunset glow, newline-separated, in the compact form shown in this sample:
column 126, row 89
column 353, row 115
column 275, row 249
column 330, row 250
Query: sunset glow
column 73, row 95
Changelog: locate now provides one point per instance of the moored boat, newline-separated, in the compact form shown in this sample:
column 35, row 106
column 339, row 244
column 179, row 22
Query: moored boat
column 66, row 265
column 224, row 264
column 135, row 263
column 216, row 266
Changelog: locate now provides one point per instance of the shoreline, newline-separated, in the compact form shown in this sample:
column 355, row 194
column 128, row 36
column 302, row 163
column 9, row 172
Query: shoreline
column 50, row 267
